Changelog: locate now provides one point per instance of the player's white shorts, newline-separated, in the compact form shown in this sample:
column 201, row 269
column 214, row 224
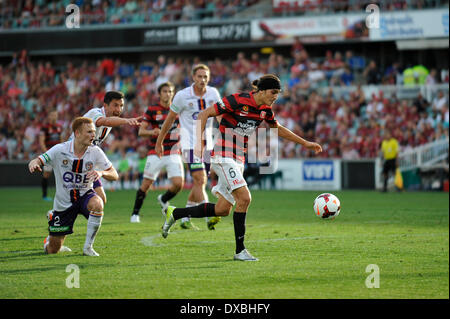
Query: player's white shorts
column 172, row 163
column 47, row 168
column 230, row 177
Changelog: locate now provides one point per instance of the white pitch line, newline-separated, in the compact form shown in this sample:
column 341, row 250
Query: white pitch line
column 148, row 241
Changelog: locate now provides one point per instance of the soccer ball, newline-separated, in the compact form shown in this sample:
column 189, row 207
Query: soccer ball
column 327, row 205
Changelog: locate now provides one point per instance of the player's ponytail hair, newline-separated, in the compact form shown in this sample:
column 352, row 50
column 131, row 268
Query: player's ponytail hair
column 255, row 86
column 267, row 82
column 79, row 122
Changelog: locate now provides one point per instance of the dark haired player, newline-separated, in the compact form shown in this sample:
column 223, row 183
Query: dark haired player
column 241, row 115
column 154, row 117
column 105, row 118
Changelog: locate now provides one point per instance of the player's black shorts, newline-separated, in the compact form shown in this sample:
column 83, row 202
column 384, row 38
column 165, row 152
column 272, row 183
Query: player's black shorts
column 193, row 165
column 389, row 166
column 61, row 223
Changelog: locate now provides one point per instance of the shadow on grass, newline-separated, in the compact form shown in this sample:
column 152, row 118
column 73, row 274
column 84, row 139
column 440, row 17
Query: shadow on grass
column 40, row 238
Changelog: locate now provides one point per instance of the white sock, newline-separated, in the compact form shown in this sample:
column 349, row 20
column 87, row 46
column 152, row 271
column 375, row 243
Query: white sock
column 93, row 225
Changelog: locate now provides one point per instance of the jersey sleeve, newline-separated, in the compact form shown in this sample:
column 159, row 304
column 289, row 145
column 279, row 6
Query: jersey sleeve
column 225, row 105
column 101, row 161
column 148, row 115
column 215, row 95
column 48, row 158
column 270, row 117
column 177, row 103
column 94, row 114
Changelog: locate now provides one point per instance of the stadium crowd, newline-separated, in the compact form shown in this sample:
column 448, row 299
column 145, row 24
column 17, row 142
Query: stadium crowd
column 348, row 127
column 39, row 13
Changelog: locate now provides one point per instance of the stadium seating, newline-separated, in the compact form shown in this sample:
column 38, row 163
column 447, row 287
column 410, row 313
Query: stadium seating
column 38, row 14
column 346, row 119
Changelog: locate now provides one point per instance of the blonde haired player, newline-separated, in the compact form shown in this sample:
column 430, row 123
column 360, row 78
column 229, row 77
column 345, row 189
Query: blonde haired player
column 187, row 105
column 76, row 164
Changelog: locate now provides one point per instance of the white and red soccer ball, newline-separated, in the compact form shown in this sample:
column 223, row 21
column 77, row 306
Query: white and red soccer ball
column 327, row 206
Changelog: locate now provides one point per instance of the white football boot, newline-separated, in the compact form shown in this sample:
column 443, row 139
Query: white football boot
column 89, row 251
column 244, row 255
column 162, row 204
column 135, row 218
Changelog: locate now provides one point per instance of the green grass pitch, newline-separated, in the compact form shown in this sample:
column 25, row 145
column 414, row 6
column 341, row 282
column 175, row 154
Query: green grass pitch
column 406, row 235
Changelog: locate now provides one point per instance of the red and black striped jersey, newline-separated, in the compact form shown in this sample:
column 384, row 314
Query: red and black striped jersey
column 240, row 118
column 52, row 133
column 155, row 116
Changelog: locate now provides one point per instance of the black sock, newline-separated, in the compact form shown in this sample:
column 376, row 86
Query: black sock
column 140, row 196
column 202, row 210
column 167, row 196
column 239, row 230
column 44, row 184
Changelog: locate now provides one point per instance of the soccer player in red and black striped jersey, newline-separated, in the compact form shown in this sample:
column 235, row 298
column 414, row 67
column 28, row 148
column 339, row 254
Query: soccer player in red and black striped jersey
column 241, row 115
column 49, row 136
column 171, row 160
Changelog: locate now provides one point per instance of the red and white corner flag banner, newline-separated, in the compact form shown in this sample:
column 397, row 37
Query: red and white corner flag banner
column 411, row 25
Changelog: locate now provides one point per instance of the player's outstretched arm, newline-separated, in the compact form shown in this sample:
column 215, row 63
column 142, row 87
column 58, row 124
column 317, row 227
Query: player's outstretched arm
column 287, row 134
column 202, row 118
column 113, row 121
column 35, row 165
column 168, row 122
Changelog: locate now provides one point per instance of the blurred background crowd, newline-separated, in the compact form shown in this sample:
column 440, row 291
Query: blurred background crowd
column 349, row 125
column 40, row 13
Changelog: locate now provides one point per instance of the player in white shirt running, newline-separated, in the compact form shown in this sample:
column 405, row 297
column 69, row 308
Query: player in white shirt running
column 105, row 118
column 187, row 104
column 76, row 164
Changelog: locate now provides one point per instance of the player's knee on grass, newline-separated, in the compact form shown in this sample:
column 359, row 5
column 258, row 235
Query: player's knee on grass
column 95, row 204
column 55, row 244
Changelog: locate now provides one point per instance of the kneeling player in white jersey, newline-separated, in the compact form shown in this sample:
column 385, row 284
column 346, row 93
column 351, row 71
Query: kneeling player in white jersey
column 171, row 161
column 74, row 163
column 105, row 118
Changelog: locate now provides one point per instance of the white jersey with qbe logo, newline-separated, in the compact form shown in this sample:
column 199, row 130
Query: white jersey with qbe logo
column 101, row 132
column 188, row 105
column 70, row 171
